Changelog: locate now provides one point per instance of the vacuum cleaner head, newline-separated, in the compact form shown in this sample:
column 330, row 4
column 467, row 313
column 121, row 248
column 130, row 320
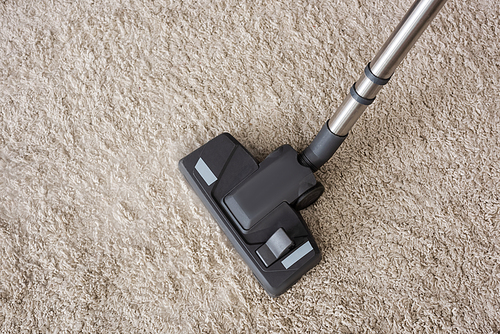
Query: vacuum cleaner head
column 256, row 205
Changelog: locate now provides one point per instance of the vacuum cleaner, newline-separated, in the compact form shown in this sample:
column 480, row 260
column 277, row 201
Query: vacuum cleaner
column 257, row 204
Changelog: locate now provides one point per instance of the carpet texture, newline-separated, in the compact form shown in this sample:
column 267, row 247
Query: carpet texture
column 100, row 233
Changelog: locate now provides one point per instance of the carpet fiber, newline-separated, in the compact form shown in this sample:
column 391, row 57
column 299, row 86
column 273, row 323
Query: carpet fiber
column 99, row 232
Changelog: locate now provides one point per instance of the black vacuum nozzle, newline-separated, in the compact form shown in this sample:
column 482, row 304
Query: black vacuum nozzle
column 256, row 205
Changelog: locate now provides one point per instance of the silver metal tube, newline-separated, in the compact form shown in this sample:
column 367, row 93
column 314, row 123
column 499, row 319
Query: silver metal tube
column 413, row 24
column 345, row 116
column 404, row 36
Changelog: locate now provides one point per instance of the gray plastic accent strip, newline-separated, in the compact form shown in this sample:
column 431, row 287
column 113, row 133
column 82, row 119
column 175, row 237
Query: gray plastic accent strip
column 205, row 172
column 297, row 255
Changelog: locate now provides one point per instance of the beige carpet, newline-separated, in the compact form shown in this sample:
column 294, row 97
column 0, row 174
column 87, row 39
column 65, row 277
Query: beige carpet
column 99, row 232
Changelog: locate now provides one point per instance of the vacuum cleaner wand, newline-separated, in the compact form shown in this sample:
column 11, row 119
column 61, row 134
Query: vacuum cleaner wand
column 376, row 74
column 257, row 204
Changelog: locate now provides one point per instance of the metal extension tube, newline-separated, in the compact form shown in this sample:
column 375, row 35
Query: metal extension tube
column 413, row 24
column 376, row 74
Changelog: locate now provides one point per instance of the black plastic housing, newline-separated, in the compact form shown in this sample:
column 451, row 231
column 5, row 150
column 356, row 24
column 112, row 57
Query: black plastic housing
column 252, row 201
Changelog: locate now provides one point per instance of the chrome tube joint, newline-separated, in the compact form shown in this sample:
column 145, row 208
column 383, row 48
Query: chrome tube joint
column 376, row 74
column 404, row 36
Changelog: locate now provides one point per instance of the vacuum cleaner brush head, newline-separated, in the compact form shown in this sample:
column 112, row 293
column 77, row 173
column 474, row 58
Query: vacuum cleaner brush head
column 256, row 205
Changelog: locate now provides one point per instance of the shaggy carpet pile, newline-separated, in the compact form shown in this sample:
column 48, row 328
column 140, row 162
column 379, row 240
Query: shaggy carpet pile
column 100, row 233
